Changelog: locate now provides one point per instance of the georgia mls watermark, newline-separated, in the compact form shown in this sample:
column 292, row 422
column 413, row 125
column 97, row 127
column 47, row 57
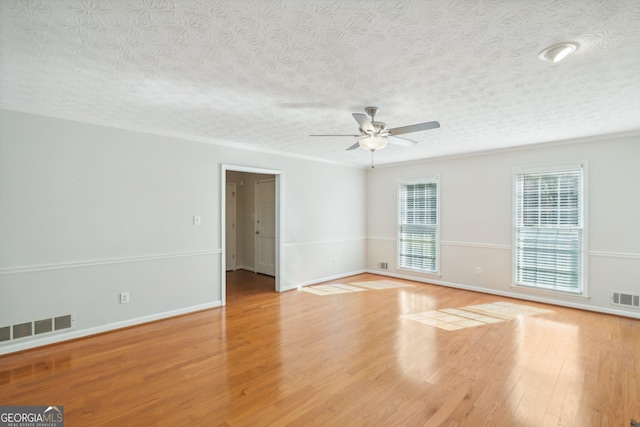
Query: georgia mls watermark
column 31, row 416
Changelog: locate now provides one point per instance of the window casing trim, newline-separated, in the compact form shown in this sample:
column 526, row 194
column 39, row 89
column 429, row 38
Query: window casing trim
column 432, row 179
column 551, row 168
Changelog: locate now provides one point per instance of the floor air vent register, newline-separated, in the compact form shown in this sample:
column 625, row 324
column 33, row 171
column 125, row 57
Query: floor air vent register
column 37, row 327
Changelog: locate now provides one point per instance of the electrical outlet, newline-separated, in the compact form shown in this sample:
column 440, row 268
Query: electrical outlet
column 124, row 298
column 478, row 271
column 196, row 220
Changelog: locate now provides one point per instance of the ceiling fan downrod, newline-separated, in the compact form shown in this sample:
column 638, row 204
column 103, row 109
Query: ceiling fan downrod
column 372, row 111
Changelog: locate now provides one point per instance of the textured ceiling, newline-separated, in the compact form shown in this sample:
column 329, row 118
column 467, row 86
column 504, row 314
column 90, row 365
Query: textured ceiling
column 266, row 74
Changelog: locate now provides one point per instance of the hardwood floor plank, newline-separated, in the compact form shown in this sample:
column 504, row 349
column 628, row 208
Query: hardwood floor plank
column 347, row 359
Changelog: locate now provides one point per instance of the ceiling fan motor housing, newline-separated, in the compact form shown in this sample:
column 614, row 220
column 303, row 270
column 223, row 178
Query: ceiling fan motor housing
column 379, row 127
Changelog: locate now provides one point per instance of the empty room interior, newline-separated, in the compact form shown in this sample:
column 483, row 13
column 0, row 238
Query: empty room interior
column 343, row 213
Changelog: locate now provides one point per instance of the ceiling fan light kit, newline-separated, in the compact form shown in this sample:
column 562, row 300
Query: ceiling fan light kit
column 558, row 52
column 373, row 143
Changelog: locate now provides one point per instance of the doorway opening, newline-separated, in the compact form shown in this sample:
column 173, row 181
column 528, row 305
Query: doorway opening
column 243, row 285
column 250, row 226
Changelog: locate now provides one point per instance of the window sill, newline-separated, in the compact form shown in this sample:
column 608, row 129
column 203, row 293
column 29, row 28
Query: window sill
column 546, row 292
column 423, row 272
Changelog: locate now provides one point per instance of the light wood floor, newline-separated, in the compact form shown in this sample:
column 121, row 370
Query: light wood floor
column 339, row 360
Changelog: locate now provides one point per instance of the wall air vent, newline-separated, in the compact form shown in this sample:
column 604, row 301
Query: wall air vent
column 383, row 265
column 22, row 330
column 63, row 322
column 625, row 299
column 36, row 327
column 43, row 326
column 5, row 333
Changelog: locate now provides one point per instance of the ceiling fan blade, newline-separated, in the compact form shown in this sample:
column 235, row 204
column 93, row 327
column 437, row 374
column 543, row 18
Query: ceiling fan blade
column 414, row 128
column 354, row 146
column 396, row 140
column 339, row 135
column 363, row 122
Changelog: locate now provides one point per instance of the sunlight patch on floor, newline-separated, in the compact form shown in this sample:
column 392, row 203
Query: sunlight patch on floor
column 342, row 288
column 506, row 310
column 335, row 288
column 382, row 284
column 452, row 319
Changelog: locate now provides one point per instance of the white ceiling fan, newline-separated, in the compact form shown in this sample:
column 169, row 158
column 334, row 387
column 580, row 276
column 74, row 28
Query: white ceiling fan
column 375, row 135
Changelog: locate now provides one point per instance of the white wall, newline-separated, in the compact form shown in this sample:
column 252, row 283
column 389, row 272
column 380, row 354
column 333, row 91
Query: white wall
column 89, row 211
column 476, row 218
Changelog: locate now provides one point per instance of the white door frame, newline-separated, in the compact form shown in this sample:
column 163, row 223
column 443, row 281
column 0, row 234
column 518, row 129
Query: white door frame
column 230, row 233
column 278, row 175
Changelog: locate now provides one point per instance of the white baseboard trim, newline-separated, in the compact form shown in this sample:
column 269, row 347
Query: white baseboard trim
column 26, row 343
column 326, row 279
column 534, row 298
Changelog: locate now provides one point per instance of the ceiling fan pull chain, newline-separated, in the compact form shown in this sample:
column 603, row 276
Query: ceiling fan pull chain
column 372, row 151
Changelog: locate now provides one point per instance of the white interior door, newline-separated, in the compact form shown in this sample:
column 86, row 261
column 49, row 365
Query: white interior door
column 230, row 226
column 266, row 227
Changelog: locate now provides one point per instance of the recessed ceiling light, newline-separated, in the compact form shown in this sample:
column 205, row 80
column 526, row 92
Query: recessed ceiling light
column 558, row 52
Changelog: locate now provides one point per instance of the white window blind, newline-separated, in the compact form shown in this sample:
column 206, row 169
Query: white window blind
column 549, row 230
column 418, row 225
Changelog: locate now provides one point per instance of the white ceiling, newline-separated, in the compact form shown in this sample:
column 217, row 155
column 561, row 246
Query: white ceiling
column 266, row 74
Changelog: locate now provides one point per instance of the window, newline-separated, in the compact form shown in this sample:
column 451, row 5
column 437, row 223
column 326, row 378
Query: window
column 418, row 225
column 549, row 229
